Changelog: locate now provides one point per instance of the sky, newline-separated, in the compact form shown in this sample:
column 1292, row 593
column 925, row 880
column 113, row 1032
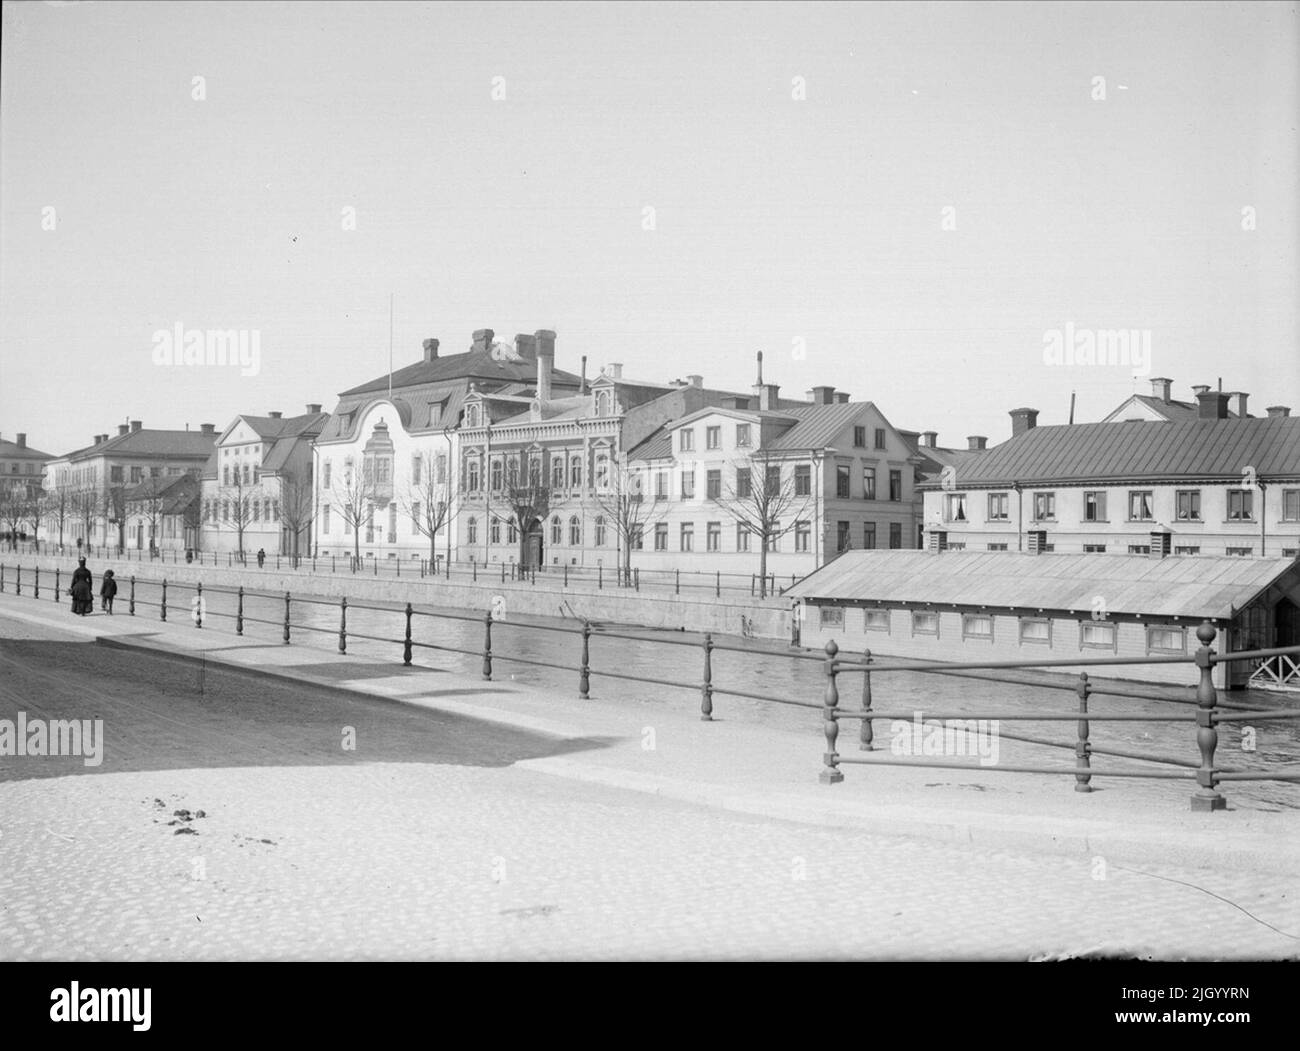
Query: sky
column 909, row 202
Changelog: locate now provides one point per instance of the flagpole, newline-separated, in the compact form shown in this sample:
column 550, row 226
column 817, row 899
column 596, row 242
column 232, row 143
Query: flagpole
column 390, row 346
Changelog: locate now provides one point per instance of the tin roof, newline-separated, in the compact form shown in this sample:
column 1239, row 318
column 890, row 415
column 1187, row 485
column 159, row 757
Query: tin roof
column 1178, row 586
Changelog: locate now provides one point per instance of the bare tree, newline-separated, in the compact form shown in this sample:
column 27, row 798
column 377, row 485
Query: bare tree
column 58, row 505
column 35, row 510
column 297, row 507
column 85, row 507
column 147, row 499
column 623, row 499
column 13, row 511
column 528, row 501
column 354, row 498
column 237, row 509
column 762, row 498
column 428, row 501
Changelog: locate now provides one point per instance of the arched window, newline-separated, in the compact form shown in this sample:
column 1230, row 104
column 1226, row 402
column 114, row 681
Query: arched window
column 575, row 531
column 471, row 474
column 603, row 402
column 495, row 470
column 602, row 470
column 535, row 470
column 512, row 533
column 557, row 473
column 575, row 472
column 557, row 531
column 471, row 415
column 600, row 531
column 471, row 530
column 494, row 530
column 512, row 473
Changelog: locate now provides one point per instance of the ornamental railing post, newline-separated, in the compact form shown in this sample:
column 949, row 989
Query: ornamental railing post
column 1207, row 737
column 57, row 586
column 830, row 774
column 584, row 675
column 406, row 648
column 1082, row 747
column 131, row 607
column 487, row 645
column 162, row 608
column 866, row 735
column 36, row 587
column 18, row 578
column 286, row 618
column 343, row 624
column 239, row 613
column 706, row 694
column 198, row 605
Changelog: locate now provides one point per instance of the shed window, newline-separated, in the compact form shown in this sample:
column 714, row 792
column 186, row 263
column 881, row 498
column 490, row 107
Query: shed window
column 1036, row 629
column 875, row 619
column 925, row 623
column 1166, row 640
column 976, row 626
column 1097, row 635
column 832, row 616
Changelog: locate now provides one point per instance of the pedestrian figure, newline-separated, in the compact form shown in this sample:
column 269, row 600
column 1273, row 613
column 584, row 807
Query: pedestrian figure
column 82, row 589
column 189, row 554
column 261, row 557
column 107, row 591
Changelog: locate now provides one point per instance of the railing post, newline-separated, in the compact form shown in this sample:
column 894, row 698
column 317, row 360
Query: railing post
column 584, row 675
column 375, row 573
column 57, row 585
column 36, row 588
column 752, row 581
column 131, row 608
column 831, row 774
column 600, row 577
column 487, row 645
column 866, row 735
column 636, row 576
column 706, row 694
column 1207, row 737
column 566, row 574
column 2, row 576
column 343, row 624
column 162, row 609
column 198, row 605
column 406, row 648
column 474, row 570
column 677, row 583
column 18, row 577
column 286, row 618
column 239, row 613
column 717, row 588
column 1082, row 748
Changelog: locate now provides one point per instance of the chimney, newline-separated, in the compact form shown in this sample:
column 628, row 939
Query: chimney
column 767, row 394
column 616, row 370
column 526, row 346
column 1037, row 541
column 22, row 441
column 759, row 382
column 822, row 395
column 695, row 380
column 275, row 415
column 1160, row 543
column 207, row 428
column 582, row 386
column 545, row 362
column 976, row 443
column 841, row 397
column 313, row 408
column 1160, row 388
column 482, row 339
column 1023, row 420
column 1211, row 405
column 1200, row 389
column 938, row 540
column 735, row 403
column 1237, row 403
column 1279, row 410
column 103, row 437
column 135, row 426
column 96, row 437
column 430, row 349
column 930, row 439
column 123, row 428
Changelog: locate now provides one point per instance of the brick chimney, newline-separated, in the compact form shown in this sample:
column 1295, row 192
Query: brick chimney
column 1160, row 388
column 1211, row 404
column 1199, row 389
column 135, row 426
column 482, row 340
column 930, row 439
column 123, row 428
column 695, row 379
column 207, row 428
column 545, row 362
column 822, row 395
column 1023, row 420
column 430, row 349
column 841, row 397
column 1237, row 402
column 1279, row 410
column 616, row 370
column 313, row 408
column 275, row 415
column 526, row 346
column 22, row 441
column 96, row 438
column 976, row 443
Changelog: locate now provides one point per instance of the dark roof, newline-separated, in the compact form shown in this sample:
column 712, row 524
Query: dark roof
column 471, row 365
column 656, row 447
column 188, row 444
column 1211, row 449
column 176, row 494
column 13, row 451
column 270, row 427
column 1173, row 409
column 817, row 424
column 1178, row 586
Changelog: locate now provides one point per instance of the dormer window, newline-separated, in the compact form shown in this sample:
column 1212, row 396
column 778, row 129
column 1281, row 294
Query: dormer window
column 604, row 403
column 473, row 415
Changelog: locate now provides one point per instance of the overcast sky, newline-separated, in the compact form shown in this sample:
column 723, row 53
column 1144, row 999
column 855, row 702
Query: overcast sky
column 943, row 188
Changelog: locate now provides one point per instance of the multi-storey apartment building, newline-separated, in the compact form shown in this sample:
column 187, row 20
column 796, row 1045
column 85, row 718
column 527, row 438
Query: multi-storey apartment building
column 162, row 515
column 1211, row 485
column 257, row 485
column 22, row 467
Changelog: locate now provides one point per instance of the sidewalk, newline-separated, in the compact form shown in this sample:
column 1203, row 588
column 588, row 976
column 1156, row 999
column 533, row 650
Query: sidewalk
column 665, row 749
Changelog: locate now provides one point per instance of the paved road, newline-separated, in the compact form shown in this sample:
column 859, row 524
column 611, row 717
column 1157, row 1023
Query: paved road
column 422, row 845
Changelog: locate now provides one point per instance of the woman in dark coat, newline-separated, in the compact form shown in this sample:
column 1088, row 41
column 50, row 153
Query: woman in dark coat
column 82, row 589
column 107, row 591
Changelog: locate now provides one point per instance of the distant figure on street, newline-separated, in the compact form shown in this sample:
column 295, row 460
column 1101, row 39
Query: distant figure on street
column 189, row 554
column 261, row 557
column 82, row 589
column 107, row 591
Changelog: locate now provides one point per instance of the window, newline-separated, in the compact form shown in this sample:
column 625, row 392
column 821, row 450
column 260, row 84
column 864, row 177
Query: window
column 535, row 470
column 1140, row 503
column 774, row 537
column 557, row 530
column 415, row 516
column 137, row 475
column 1244, row 552
column 954, row 507
column 687, row 441
column 471, row 474
column 1187, row 505
column 495, row 471
column 742, row 537
column 802, row 480
column 1241, row 505
column 1096, row 634
column 661, row 536
column 440, row 467
column 256, row 511
column 1194, row 549
column 575, row 531
column 494, row 531
column 895, row 535
column 1291, row 505
column 1036, row 629
column 976, row 626
column 1162, row 639
column 842, row 481
column 868, row 536
column 859, row 437
column 392, row 523
column 1094, row 506
column 713, row 437
column 661, row 485
column 512, row 472
column 802, row 535
column 688, row 536
column 688, row 485
column 713, row 485
column 868, row 483
column 742, row 435
column 575, row 472
column 880, row 438
column 771, row 481
column 225, row 510
column 1139, row 549
column 471, row 530
column 925, row 623
column 512, row 532
column 999, row 507
column 841, row 536
column 1094, row 549
column 636, row 537
column 830, row 617
column 1044, row 507
column 744, row 483
column 713, row 539
column 326, row 481
column 600, row 531
column 602, row 470
column 557, row 473
column 114, row 473
column 875, row 619
column 895, row 485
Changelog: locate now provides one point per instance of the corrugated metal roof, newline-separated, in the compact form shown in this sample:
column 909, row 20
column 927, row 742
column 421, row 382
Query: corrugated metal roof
column 150, row 443
column 1173, row 409
column 656, row 447
column 817, row 425
column 1180, row 586
column 1140, row 452
column 474, row 364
